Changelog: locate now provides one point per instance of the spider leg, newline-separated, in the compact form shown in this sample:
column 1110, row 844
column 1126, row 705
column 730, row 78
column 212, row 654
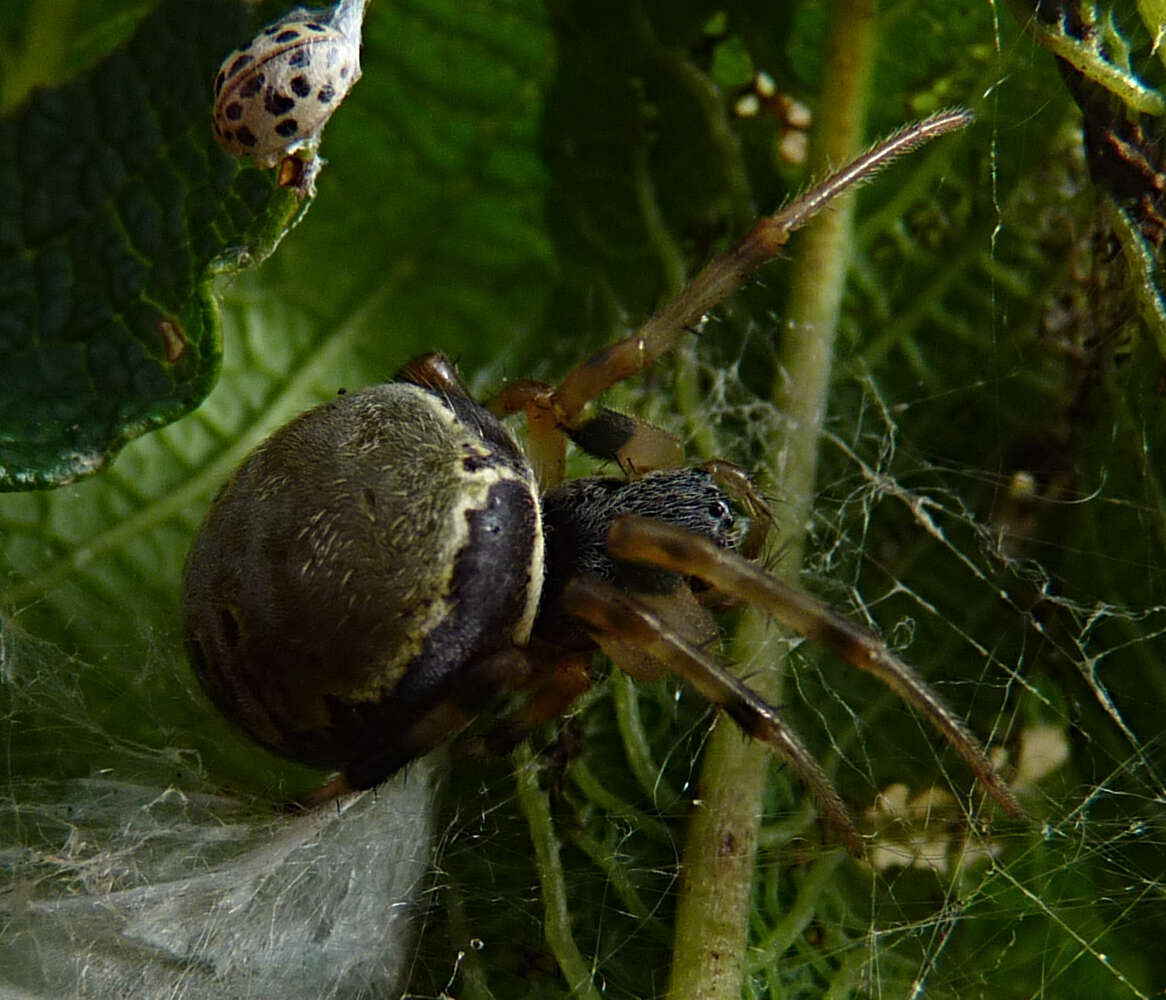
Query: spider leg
column 726, row 273
column 546, row 447
column 614, row 615
column 656, row 543
column 549, row 698
column 434, row 371
column 636, row 445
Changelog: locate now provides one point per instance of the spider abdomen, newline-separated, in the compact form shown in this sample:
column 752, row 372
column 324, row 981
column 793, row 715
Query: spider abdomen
column 354, row 564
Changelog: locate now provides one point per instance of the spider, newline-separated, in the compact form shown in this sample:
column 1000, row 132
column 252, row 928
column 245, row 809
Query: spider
column 391, row 566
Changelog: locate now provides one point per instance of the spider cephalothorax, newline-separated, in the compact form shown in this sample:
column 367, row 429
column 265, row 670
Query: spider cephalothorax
column 391, row 565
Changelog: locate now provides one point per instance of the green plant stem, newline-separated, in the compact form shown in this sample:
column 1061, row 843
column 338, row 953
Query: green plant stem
column 1085, row 57
column 716, row 884
column 821, row 260
column 536, row 808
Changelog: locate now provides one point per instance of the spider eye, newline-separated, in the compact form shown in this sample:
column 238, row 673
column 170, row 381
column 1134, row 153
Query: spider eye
column 720, row 510
column 729, row 525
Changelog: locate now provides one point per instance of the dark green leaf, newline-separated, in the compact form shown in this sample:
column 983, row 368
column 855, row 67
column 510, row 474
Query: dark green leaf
column 120, row 210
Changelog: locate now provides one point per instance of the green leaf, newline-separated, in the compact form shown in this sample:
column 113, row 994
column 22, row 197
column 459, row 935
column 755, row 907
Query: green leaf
column 120, row 211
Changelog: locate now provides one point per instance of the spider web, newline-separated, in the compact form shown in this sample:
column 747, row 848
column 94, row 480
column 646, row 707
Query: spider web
column 132, row 880
column 986, row 502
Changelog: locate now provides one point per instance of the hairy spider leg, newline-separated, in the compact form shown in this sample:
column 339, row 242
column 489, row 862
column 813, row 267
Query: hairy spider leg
column 636, row 445
column 724, row 275
column 614, row 615
column 565, row 677
column 546, row 447
column 656, row 543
